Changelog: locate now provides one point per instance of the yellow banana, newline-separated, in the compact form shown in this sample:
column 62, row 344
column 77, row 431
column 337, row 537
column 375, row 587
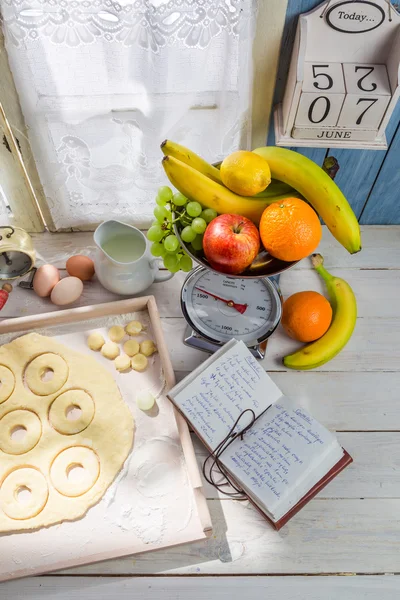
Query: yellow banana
column 318, row 189
column 211, row 194
column 344, row 319
column 190, row 158
column 169, row 148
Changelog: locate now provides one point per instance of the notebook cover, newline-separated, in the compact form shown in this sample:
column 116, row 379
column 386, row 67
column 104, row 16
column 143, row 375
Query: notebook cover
column 340, row 465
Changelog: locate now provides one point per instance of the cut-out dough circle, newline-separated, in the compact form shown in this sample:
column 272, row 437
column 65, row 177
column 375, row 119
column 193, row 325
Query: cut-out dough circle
column 38, row 367
column 80, row 456
column 7, row 381
column 58, row 412
column 26, row 477
column 19, row 418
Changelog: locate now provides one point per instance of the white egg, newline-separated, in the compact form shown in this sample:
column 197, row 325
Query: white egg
column 66, row 291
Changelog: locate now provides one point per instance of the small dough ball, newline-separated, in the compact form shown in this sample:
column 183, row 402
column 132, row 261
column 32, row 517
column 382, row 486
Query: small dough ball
column 110, row 350
column 116, row 333
column 95, row 341
column 148, row 347
column 139, row 362
column 131, row 347
column 145, row 400
column 134, row 328
column 122, row 362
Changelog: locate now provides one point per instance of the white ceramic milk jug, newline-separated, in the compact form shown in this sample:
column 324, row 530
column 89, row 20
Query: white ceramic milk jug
column 123, row 261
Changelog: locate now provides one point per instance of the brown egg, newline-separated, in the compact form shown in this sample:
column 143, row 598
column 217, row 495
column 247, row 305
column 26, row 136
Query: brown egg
column 46, row 277
column 80, row 266
column 67, row 291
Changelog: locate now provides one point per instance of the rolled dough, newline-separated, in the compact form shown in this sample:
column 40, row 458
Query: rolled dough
column 41, row 463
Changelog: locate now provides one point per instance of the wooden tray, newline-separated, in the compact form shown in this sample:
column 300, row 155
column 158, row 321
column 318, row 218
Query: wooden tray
column 67, row 545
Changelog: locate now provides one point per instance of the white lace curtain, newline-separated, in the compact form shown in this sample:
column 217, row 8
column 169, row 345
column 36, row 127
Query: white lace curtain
column 102, row 83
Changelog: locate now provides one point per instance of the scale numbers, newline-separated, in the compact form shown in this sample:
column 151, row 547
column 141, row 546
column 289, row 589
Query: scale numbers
column 221, row 307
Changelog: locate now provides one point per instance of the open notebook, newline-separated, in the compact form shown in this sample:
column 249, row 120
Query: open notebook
column 285, row 458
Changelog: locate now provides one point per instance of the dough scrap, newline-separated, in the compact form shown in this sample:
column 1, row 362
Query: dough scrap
column 122, row 362
column 145, row 400
column 110, row 350
column 139, row 362
column 131, row 347
column 96, row 341
column 101, row 447
column 148, row 347
column 134, row 328
column 116, row 333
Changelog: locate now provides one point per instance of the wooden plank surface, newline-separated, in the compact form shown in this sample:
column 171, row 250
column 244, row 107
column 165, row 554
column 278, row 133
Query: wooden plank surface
column 327, row 536
column 204, row 588
column 353, row 525
column 381, row 249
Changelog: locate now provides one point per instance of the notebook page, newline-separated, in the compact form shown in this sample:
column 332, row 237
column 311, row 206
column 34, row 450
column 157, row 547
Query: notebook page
column 278, row 453
column 214, row 399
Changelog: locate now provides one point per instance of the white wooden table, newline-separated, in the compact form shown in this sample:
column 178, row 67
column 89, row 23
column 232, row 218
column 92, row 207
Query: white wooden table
column 351, row 528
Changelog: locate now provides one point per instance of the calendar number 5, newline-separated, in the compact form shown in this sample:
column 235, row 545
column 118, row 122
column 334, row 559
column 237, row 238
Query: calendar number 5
column 328, row 77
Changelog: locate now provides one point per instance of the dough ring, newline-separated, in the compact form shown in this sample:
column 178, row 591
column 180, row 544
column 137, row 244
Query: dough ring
column 76, row 456
column 7, row 381
column 19, row 419
column 58, row 413
column 27, row 479
column 37, row 369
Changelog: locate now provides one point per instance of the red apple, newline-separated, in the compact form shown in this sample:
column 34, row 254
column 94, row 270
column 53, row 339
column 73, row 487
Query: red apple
column 231, row 243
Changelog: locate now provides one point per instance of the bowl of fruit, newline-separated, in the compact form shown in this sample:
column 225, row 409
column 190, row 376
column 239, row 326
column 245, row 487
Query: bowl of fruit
column 256, row 214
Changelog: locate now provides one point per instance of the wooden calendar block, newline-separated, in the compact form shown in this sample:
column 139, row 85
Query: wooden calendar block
column 362, row 79
column 323, row 78
column 363, row 111
column 318, row 109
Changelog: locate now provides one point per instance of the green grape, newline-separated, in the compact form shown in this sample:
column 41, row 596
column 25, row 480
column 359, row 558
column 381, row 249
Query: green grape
column 168, row 213
column 158, row 249
column 171, row 243
column 160, row 213
column 155, row 233
column 171, row 262
column 187, row 234
column 179, row 199
column 164, row 194
column 199, row 225
column 197, row 243
column 186, row 263
column 193, row 209
column 160, row 201
column 209, row 214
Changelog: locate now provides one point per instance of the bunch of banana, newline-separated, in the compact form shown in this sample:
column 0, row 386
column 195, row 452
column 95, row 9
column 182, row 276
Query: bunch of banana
column 344, row 308
column 295, row 176
column 196, row 179
column 319, row 190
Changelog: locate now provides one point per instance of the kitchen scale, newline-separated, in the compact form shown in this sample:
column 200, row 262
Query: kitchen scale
column 218, row 307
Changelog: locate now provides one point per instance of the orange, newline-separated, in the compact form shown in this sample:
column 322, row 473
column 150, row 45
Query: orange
column 290, row 229
column 245, row 173
column 306, row 316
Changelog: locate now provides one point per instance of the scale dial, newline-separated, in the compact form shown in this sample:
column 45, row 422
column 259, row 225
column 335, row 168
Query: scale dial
column 14, row 264
column 220, row 307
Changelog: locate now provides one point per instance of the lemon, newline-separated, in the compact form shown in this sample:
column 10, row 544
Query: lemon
column 245, row 173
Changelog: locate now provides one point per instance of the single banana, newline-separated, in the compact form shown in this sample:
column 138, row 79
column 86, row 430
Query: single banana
column 318, row 189
column 190, row 158
column 344, row 308
column 211, row 194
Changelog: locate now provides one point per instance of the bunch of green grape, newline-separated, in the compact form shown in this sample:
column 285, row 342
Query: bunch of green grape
column 193, row 221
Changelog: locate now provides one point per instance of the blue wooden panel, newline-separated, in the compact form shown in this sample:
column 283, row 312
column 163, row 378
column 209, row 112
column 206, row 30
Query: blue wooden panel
column 383, row 205
column 359, row 168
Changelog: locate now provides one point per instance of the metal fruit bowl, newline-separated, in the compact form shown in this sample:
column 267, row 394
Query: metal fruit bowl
column 263, row 266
